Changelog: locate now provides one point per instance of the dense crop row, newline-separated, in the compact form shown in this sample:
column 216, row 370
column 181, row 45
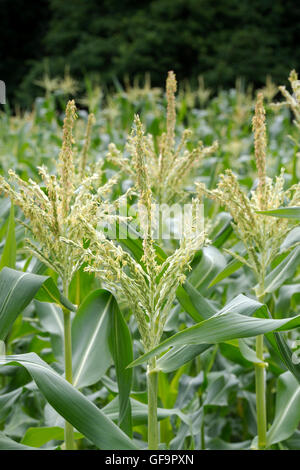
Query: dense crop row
column 150, row 280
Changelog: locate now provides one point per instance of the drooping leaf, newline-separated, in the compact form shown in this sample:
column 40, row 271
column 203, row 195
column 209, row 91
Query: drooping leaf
column 211, row 263
column 248, row 353
column 17, row 289
column 224, row 327
column 204, row 307
column 177, row 356
column 50, row 293
column 72, row 404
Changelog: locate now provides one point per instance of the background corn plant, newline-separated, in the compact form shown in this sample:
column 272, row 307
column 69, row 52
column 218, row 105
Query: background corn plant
column 206, row 384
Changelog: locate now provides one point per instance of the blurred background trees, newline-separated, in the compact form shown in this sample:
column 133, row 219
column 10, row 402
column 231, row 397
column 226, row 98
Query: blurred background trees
column 221, row 40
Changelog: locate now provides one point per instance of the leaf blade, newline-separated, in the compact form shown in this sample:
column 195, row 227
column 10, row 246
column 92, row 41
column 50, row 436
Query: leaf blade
column 72, row 404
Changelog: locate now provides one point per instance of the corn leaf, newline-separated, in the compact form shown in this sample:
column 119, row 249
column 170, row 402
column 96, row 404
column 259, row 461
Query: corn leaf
column 286, row 212
column 122, row 353
column 231, row 268
column 211, row 263
column 178, row 356
column 221, row 328
column 287, row 411
column 51, row 319
column 17, row 289
column 283, row 271
column 6, row 443
column 37, row 437
column 9, row 253
column 286, row 355
column 90, row 331
column 72, row 405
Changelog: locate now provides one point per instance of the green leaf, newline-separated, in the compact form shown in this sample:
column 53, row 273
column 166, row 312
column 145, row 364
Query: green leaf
column 37, row 437
column 187, row 304
column 288, row 297
column 293, row 442
column 50, row 293
column 286, row 355
column 286, row 212
column 203, row 306
column 211, row 263
column 287, row 410
column 223, row 327
column 7, row 401
column 283, row 271
column 216, row 443
column 219, row 386
column 231, row 268
column 244, row 306
column 223, row 234
column 122, row 353
column 71, row 404
column 131, row 239
column 249, row 353
column 52, row 320
column 90, row 338
column 140, row 412
column 9, row 444
column 81, row 285
column 292, row 238
column 9, row 253
column 178, row 356
column 17, row 289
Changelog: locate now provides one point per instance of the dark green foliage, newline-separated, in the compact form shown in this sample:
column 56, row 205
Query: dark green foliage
column 222, row 40
column 22, row 27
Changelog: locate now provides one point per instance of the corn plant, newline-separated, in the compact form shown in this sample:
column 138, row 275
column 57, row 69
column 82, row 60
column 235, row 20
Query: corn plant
column 53, row 211
column 261, row 237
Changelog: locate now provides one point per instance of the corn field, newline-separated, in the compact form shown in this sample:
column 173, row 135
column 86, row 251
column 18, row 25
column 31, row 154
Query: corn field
column 149, row 284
